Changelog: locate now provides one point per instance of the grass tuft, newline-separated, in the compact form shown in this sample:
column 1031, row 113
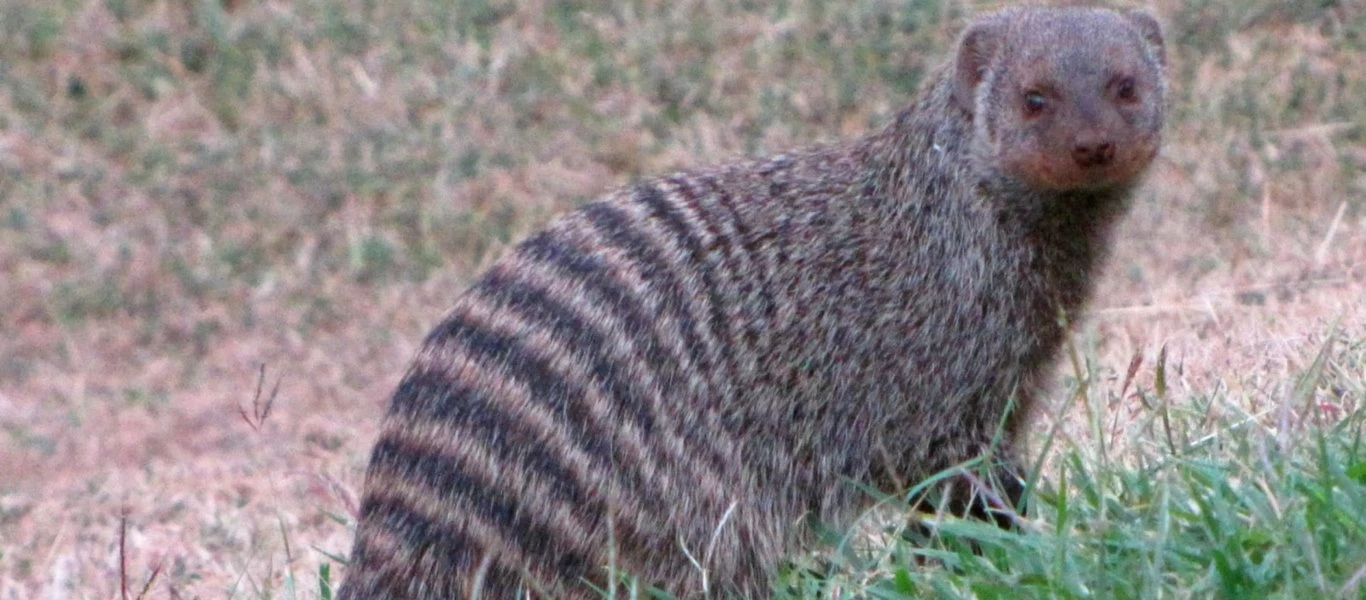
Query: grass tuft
column 1238, row 509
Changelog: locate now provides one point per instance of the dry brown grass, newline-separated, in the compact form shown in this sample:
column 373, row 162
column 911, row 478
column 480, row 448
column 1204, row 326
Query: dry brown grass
column 187, row 194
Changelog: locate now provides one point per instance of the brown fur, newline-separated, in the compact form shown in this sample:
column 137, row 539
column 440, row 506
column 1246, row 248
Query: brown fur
column 671, row 380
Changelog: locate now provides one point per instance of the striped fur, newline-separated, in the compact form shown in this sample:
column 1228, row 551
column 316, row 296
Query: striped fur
column 669, row 381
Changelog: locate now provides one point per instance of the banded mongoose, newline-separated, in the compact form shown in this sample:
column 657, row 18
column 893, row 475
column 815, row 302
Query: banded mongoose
column 670, row 381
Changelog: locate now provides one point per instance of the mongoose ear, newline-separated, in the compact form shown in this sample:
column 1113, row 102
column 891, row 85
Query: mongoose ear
column 977, row 46
column 1151, row 31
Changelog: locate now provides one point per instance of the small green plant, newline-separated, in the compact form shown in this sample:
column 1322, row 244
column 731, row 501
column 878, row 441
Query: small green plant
column 1207, row 506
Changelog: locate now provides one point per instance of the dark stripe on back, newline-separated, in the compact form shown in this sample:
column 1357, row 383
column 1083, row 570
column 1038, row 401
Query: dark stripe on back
column 537, row 306
column 668, row 212
column 596, row 276
column 457, row 489
column 630, row 398
column 756, row 257
column 745, row 236
column 455, row 549
column 756, row 283
column 615, row 228
column 564, row 399
column 472, row 414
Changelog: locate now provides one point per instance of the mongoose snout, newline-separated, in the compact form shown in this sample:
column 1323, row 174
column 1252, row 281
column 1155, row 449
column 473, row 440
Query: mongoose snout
column 1089, row 153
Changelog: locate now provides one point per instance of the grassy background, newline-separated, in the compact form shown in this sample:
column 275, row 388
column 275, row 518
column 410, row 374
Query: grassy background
column 192, row 189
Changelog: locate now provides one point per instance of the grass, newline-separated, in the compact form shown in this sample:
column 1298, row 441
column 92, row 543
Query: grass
column 190, row 190
column 1212, row 501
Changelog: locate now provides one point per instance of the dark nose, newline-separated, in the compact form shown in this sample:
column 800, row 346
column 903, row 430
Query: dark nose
column 1091, row 154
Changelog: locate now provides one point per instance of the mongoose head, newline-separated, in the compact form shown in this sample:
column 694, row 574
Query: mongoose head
column 1062, row 99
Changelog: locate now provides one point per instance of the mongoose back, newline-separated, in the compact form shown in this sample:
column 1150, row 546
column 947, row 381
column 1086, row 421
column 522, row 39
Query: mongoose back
column 671, row 380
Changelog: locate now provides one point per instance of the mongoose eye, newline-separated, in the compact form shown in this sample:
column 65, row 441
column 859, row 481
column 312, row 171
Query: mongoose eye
column 1126, row 90
column 1034, row 103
